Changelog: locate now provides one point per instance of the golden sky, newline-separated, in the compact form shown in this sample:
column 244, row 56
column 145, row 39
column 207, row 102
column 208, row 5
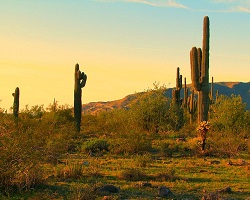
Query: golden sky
column 122, row 46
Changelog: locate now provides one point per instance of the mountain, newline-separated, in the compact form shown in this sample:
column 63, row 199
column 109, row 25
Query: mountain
column 225, row 88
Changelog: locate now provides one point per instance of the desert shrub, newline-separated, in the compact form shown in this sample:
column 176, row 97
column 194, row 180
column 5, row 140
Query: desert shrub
column 20, row 161
column 167, row 148
column 226, row 144
column 93, row 125
column 193, row 144
column 143, row 160
column 130, row 143
column 36, row 111
column 70, row 170
column 171, row 147
column 168, row 175
column 95, row 145
column 83, row 192
column 228, row 114
column 133, row 174
column 247, row 123
column 26, row 144
column 93, row 168
column 175, row 117
column 149, row 111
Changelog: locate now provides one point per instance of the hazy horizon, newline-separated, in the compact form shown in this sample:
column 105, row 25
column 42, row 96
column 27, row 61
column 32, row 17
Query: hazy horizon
column 123, row 46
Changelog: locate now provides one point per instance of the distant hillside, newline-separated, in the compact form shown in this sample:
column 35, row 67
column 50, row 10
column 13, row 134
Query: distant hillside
column 225, row 88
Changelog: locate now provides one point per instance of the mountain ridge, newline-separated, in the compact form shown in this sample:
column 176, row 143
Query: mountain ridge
column 224, row 88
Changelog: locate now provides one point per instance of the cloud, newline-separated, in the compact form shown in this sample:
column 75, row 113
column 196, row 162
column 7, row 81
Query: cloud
column 235, row 5
column 155, row 3
column 243, row 9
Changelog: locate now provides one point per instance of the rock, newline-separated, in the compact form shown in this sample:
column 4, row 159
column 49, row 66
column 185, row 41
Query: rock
column 86, row 163
column 216, row 162
column 145, row 184
column 225, row 190
column 211, row 196
column 107, row 198
column 167, row 162
column 241, row 162
column 107, row 189
column 229, row 162
column 180, row 139
column 164, row 191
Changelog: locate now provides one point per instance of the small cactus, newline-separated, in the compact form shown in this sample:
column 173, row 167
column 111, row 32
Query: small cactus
column 80, row 81
column 185, row 98
column 176, row 92
column 211, row 95
column 16, row 102
column 192, row 106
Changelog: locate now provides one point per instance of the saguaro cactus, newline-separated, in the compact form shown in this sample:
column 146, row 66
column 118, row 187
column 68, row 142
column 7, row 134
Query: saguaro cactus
column 176, row 92
column 192, row 105
column 185, row 97
column 80, row 81
column 212, row 91
column 16, row 102
column 199, row 60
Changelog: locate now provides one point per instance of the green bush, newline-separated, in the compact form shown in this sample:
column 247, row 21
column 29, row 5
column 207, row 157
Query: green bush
column 133, row 174
column 143, row 160
column 83, row 192
column 171, row 147
column 228, row 114
column 150, row 109
column 28, row 143
column 20, row 162
column 71, row 170
column 130, row 143
column 96, row 145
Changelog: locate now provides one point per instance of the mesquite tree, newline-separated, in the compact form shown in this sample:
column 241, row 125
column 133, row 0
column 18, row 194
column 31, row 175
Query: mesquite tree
column 80, row 81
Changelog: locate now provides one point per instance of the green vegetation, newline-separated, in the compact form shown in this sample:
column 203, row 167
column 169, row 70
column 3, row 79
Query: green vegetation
column 150, row 149
column 136, row 149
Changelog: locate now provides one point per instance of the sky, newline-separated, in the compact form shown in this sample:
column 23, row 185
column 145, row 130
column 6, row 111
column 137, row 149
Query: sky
column 124, row 46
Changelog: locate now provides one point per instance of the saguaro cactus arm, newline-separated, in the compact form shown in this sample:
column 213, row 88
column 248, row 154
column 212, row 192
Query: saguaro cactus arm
column 83, row 79
column 205, row 50
column 195, row 69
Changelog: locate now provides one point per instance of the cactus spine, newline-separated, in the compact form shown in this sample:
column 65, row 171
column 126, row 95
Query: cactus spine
column 80, row 81
column 16, row 102
column 199, row 60
column 176, row 92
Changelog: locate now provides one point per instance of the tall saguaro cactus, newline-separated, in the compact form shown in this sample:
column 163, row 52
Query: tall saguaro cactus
column 80, row 81
column 16, row 102
column 199, row 60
